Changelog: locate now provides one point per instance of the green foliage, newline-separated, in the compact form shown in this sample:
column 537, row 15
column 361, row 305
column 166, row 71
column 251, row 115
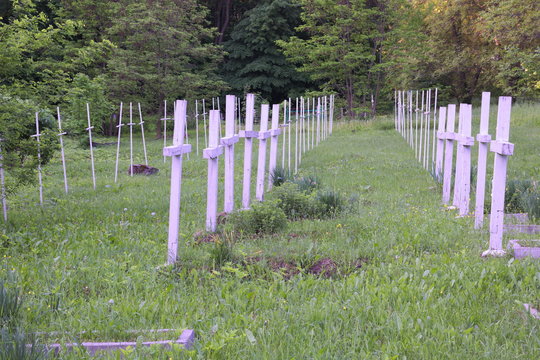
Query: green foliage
column 263, row 218
column 14, row 346
column 19, row 149
column 295, row 203
column 222, row 252
column 523, row 196
column 85, row 90
column 307, row 183
column 254, row 62
column 10, row 305
column 332, row 202
column 280, row 176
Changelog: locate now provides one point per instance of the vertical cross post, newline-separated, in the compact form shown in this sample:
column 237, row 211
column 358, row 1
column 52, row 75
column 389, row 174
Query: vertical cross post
column 289, row 141
column 119, row 127
column 313, row 133
column 440, row 144
column 89, row 129
column 332, row 114
column 307, row 119
column 197, row 125
column 434, row 131
column 483, row 139
column 130, row 124
column 3, row 184
column 164, row 119
column 37, row 135
column 61, row 135
column 449, row 136
column 421, row 138
column 248, row 134
column 284, row 134
column 416, row 126
column 141, row 123
column 426, row 132
column 275, row 131
column 212, row 153
column 466, row 141
column 318, row 120
column 204, row 124
column 228, row 142
column 176, row 152
column 261, row 166
column 459, row 156
column 502, row 149
column 295, row 138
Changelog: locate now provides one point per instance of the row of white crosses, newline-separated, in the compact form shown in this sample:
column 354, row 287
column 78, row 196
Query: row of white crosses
column 217, row 144
column 414, row 119
column 501, row 147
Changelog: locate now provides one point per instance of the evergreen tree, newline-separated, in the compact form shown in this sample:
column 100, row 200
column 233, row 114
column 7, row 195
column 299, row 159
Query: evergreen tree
column 254, row 62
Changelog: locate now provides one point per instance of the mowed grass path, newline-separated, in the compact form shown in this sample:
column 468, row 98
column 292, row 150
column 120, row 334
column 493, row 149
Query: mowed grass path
column 423, row 293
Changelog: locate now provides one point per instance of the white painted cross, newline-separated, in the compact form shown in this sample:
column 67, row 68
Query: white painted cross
column 61, row 134
column 89, row 129
column 483, row 139
column 295, row 137
column 228, row 142
column 37, row 135
column 466, row 142
column 289, row 122
column 212, row 153
column 449, row 136
column 284, row 138
column 3, row 184
column 197, row 125
column 502, row 149
column 459, row 155
column 130, row 124
column 440, row 144
column 119, row 126
column 248, row 134
column 176, row 151
column 275, row 131
column 141, row 123
column 261, row 165
column 165, row 119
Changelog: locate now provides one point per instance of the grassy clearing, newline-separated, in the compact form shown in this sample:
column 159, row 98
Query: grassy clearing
column 94, row 261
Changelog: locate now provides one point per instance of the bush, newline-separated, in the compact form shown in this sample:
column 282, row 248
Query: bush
column 280, row 176
column 512, row 197
column 308, row 183
column 295, row 204
column 332, row 202
column 263, row 218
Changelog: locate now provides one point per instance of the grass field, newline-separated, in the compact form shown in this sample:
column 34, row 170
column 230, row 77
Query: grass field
column 410, row 285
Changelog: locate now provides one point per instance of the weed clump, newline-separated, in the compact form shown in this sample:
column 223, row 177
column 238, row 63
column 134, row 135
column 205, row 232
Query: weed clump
column 263, row 218
column 295, row 203
column 280, row 176
column 523, row 196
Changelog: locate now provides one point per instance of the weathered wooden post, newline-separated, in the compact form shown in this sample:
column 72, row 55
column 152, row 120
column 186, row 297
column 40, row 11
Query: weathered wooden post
column 130, row 124
column 275, row 131
column 212, row 153
column 440, row 144
column 119, row 127
column 306, row 148
column 3, row 183
column 37, row 135
column 313, row 132
column 164, row 119
column 289, row 133
column 502, row 149
column 483, row 139
column 204, row 124
column 228, row 142
column 141, row 123
column 295, row 138
column 89, row 129
column 318, row 121
column 459, row 156
column 248, row 134
column 466, row 141
column 332, row 113
column 197, row 125
column 434, row 131
column 421, row 138
column 61, row 135
column 426, row 132
column 176, row 151
column 416, row 126
column 284, row 138
column 449, row 153
column 261, row 166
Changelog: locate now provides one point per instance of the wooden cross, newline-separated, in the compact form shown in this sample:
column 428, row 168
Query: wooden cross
column 141, row 123
column 130, row 124
column 483, row 139
column 61, row 134
column 212, row 153
column 274, row 132
column 440, row 144
column 449, row 136
column 89, row 129
column 248, row 134
column 228, row 142
column 37, row 135
column 119, row 127
column 176, row 151
column 2, row 183
column 502, row 149
column 466, row 141
column 261, row 166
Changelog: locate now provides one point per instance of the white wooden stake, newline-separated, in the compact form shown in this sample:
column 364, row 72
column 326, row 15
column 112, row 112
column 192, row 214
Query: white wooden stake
column 248, row 134
column 440, row 144
column 313, row 133
column 502, row 149
column 204, row 124
column 434, row 132
column 228, row 141
column 483, row 141
column 416, row 127
column 176, row 152
column 142, row 133
column 275, row 131
column 212, row 153
column 421, row 139
column 164, row 128
column 119, row 126
column 466, row 141
column 449, row 153
column 261, row 166
column 426, row 134
column 61, row 135
column 3, row 184
column 197, row 125
column 295, row 139
column 130, row 124
column 459, row 156
column 289, row 141
column 89, row 129
column 284, row 134
column 307, row 126
column 332, row 113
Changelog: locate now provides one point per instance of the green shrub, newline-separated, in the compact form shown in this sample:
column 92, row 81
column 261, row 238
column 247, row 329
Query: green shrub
column 222, row 252
column 263, row 218
column 308, row 183
column 280, row 176
column 332, row 202
column 9, row 305
column 13, row 346
column 515, row 189
column 295, row 203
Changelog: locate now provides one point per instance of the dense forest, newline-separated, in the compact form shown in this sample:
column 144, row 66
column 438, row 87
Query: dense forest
column 69, row 52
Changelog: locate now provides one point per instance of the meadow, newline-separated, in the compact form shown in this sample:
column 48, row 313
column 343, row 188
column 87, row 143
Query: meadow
column 410, row 282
